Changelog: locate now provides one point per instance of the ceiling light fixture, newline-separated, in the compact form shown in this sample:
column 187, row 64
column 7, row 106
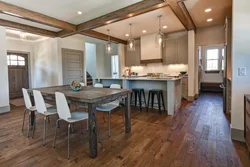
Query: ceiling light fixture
column 131, row 41
column 209, row 20
column 165, row 27
column 144, row 31
column 79, row 12
column 127, row 35
column 208, row 10
column 108, row 45
column 22, row 35
column 159, row 36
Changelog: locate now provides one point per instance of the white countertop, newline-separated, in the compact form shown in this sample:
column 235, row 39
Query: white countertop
column 141, row 78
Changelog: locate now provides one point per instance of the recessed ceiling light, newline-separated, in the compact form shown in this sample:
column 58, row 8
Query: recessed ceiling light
column 144, row 31
column 208, row 10
column 209, row 20
column 79, row 12
column 165, row 27
column 127, row 35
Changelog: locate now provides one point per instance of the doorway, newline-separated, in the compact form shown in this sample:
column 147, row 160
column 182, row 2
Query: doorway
column 72, row 65
column 18, row 73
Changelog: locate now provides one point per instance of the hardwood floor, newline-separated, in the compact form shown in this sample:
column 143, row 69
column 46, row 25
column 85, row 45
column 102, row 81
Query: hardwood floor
column 198, row 135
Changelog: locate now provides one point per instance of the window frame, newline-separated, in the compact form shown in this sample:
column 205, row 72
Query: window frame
column 219, row 60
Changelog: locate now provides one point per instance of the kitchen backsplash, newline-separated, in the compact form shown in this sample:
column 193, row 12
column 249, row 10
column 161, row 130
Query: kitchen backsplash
column 173, row 69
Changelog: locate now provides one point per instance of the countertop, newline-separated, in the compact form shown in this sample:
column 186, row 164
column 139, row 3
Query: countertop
column 141, row 78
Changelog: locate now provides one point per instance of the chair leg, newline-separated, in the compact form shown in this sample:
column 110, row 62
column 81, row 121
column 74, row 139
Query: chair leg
column 145, row 102
column 131, row 96
column 57, row 126
column 87, row 124
column 44, row 130
column 152, row 100
column 24, row 118
column 140, row 100
column 135, row 99
column 109, row 124
column 159, row 103
column 148, row 101
column 34, row 126
column 28, row 133
column 68, row 139
column 163, row 103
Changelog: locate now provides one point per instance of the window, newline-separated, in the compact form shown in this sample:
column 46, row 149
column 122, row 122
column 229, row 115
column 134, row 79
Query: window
column 15, row 60
column 115, row 66
column 212, row 59
column 222, row 59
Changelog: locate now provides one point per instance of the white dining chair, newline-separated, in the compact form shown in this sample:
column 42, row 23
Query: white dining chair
column 29, row 107
column 82, row 84
column 109, row 107
column 98, row 85
column 65, row 114
column 42, row 109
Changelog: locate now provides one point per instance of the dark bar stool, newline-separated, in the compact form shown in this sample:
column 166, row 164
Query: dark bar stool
column 159, row 96
column 138, row 92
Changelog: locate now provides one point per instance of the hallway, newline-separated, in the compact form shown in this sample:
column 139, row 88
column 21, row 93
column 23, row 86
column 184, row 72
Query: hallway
column 198, row 135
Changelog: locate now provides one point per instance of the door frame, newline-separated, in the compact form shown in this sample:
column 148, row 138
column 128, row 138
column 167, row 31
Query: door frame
column 64, row 50
column 29, row 64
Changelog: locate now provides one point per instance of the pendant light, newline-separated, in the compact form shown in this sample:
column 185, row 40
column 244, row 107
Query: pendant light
column 108, row 45
column 159, row 36
column 131, row 41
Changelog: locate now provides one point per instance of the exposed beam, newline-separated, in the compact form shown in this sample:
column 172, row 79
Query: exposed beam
column 27, row 28
column 98, row 35
column 20, row 12
column 121, row 14
column 180, row 10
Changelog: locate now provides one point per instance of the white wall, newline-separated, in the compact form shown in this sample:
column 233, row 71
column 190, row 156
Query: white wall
column 4, row 85
column 91, row 58
column 192, row 77
column 240, row 58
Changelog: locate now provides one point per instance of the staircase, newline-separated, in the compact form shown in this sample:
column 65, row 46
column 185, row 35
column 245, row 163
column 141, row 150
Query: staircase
column 89, row 79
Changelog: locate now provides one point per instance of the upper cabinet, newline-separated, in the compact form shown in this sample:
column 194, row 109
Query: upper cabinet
column 175, row 50
column 133, row 58
column 150, row 53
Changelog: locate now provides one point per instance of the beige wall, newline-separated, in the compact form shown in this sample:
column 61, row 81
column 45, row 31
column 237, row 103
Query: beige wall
column 240, row 58
column 207, row 36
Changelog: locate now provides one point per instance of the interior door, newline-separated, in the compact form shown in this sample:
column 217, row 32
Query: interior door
column 18, row 73
column 72, row 65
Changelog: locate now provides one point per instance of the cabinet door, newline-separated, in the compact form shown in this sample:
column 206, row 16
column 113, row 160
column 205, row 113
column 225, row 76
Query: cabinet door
column 132, row 58
column 182, row 50
column 170, row 52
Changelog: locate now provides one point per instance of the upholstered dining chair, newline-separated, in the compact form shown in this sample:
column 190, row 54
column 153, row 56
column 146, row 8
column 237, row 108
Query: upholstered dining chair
column 42, row 109
column 65, row 114
column 29, row 107
column 109, row 107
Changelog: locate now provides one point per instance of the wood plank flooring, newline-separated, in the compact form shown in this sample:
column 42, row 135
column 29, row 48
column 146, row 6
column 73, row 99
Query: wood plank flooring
column 198, row 135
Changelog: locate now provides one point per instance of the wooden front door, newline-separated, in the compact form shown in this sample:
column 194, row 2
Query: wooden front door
column 18, row 73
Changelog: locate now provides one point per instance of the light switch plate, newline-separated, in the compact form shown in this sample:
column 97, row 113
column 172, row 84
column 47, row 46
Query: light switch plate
column 242, row 71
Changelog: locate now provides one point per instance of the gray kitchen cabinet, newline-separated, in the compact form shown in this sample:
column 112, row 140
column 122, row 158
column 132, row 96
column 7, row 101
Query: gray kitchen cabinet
column 175, row 51
column 133, row 58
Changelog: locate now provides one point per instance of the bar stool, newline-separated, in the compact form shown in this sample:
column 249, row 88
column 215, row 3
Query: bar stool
column 138, row 92
column 159, row 94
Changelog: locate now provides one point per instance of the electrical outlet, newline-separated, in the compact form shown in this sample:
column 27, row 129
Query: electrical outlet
column 242, row 71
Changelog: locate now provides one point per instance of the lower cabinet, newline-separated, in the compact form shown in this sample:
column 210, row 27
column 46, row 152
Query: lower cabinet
column 185, row 88
column 247, row 120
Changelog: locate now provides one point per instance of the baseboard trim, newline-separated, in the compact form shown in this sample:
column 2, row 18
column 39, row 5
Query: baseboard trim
column 237, row 134
column 190, row 98
column 4, row 109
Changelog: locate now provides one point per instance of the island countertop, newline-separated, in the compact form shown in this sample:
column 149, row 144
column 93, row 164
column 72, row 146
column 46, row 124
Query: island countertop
column 140, row 78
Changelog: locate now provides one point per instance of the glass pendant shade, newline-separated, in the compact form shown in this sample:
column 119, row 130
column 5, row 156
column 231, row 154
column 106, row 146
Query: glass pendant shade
column 131, row 41
column 159, row 38
column 108, row 45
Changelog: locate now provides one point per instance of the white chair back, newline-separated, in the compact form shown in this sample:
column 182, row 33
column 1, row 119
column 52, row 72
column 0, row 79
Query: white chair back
column 98, row 85
column 39, row 102
column 62, row 106
column 26, row 97
column 82, row 84
column 115, row 86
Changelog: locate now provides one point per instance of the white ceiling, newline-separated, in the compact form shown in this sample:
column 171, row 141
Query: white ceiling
column 67, row 9
column 147, row 21
column 15, row 34
column 22, row 21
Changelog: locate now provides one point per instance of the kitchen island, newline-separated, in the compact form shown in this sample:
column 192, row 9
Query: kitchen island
column 171, row 88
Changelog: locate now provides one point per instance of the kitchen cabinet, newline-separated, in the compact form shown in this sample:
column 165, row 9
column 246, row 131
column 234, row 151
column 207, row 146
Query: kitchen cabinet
column 175, row 51
column 150, row 53
column 185, row 88
column 133, row 58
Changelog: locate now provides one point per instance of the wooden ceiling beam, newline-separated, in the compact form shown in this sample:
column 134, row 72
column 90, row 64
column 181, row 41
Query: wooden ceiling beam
column 121, row 14
column 181, row 12
column 27, row 28
column 101, row 36
column 20, row 12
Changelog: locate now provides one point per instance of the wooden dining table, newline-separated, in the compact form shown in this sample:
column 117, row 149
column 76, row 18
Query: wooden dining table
column 92, row 97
